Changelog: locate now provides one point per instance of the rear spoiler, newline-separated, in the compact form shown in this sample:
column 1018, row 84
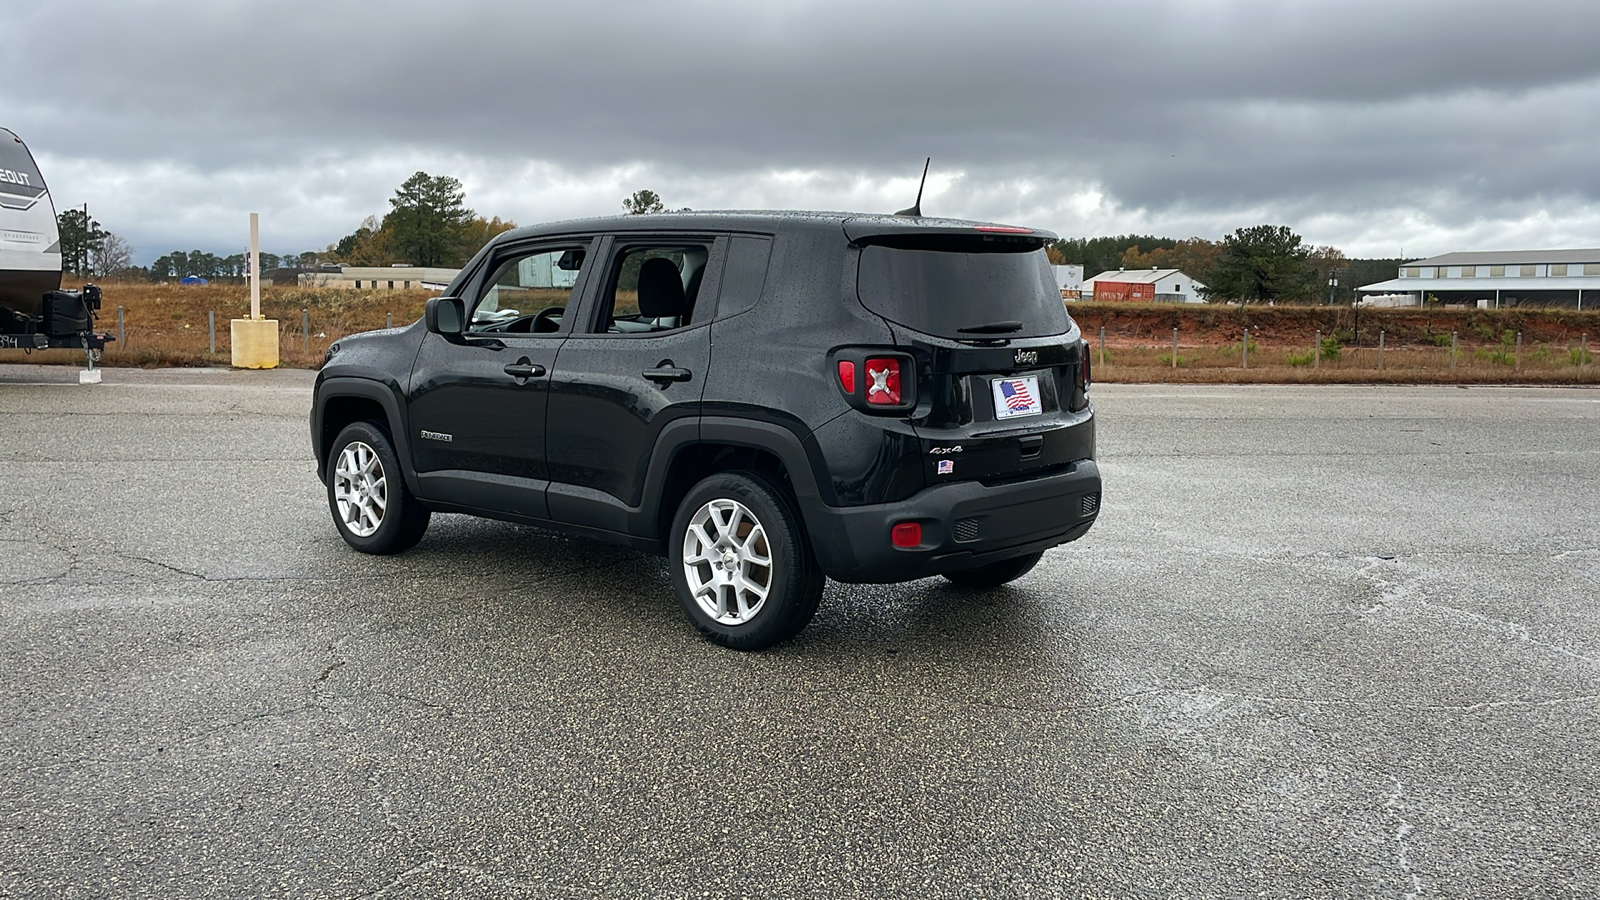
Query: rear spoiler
column 906, row 231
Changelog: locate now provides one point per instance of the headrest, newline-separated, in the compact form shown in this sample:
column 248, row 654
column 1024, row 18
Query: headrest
column 660, row 289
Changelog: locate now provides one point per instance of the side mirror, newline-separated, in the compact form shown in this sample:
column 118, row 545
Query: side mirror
column 444, row 315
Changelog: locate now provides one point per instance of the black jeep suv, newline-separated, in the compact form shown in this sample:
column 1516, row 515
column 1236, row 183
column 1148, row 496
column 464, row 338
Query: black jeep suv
column 768, row 399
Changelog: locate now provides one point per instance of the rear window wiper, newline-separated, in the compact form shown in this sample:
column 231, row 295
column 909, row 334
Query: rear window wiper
column 992, row 328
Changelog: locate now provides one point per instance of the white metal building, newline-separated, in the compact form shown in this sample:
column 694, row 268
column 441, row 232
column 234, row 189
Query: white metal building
column 381, row 277
column 1070, row 280
column 1497, row 279
column 1144, row 285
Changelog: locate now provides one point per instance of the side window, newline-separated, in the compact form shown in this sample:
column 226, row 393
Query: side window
column 654, row 288
column 529, row 292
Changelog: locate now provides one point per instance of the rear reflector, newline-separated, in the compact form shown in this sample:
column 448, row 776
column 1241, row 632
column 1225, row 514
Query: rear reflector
column 906, row 534
column 847, row 376
column 883, row 382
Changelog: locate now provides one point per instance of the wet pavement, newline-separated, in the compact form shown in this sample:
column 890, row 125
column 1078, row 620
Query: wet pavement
column 1324, row 642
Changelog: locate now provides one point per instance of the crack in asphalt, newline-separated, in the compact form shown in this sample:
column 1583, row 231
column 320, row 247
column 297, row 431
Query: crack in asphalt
column 432, row 861
column 329, row 671
column 1517, row 629
column 161, row 565
column 1408, row 586
column 1394, row 807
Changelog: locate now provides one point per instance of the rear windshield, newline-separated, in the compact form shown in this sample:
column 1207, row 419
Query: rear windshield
column 967, row 289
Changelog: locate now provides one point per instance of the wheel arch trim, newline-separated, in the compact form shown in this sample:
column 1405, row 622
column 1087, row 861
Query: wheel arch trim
column 362, row 389
column 782, row 443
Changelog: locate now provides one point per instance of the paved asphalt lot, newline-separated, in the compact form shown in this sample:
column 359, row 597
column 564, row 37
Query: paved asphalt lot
column 1324, row 642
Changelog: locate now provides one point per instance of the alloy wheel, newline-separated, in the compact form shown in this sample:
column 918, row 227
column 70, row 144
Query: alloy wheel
column 727, row 561
column 360, row 489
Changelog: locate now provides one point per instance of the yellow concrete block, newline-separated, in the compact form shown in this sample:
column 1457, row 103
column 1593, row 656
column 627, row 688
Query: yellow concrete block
column 255, row 343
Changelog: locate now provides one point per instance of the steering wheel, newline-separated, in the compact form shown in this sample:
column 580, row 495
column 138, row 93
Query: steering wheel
column 548, row 319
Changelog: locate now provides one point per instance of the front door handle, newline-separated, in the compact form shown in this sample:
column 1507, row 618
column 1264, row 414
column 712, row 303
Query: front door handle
column 665, row 375
column 522, row 370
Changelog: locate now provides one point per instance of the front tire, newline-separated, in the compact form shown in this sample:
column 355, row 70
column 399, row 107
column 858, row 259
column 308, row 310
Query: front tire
column 995, row 574
column 367, row 494
column 742, row 567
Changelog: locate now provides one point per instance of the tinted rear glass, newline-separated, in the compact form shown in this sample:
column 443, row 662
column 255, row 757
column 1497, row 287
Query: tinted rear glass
column 978, row 286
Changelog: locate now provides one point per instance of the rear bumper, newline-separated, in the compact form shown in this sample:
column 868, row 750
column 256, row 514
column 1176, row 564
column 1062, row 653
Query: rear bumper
column 964, row 524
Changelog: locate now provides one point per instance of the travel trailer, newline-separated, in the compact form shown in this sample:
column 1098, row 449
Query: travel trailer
column 35, row 314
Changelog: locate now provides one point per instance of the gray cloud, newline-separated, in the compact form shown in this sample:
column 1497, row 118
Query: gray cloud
column 1445, row 116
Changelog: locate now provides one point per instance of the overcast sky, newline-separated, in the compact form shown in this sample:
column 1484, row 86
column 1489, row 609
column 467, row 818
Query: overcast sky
column 1381, row 128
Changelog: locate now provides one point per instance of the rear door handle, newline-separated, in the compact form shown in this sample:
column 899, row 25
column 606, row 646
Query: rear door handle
column 522, row 370
column 665, row 375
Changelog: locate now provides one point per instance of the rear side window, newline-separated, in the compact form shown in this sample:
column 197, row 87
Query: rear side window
column 964, row 289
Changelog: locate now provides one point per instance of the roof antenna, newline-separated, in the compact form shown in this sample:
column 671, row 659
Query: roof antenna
column 916, row 208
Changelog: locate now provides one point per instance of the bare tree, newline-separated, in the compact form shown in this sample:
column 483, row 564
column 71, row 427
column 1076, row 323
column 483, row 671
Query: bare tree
column 112, row 256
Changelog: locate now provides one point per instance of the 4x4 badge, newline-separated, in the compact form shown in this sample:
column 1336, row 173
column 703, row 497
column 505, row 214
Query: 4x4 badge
column 1027, row 357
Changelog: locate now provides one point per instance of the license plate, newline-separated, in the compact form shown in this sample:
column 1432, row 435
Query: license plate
column 1016, row 397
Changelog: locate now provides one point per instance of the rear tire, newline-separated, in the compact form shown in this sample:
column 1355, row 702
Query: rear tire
column 367, row 494
column 742, row 567
column 995, row 574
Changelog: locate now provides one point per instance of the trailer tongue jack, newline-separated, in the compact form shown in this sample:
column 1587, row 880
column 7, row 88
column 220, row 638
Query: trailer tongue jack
column 66, row 320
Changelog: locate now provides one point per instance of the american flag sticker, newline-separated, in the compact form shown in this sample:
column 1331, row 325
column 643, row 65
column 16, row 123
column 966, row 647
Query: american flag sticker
column 1015, row 397
column 947, row 466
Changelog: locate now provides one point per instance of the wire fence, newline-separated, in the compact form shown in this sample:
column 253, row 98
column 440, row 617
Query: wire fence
column 1328, row 357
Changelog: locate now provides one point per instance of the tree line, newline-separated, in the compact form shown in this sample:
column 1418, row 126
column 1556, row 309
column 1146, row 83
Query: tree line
column 429, row 224
column 1258, row 264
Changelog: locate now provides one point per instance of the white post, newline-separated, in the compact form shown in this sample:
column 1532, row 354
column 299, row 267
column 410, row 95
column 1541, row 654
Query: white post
column 255, row 265
column 255, row 340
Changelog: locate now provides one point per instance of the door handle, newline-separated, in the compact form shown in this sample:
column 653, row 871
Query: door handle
column 665, row 375
column 522, row 370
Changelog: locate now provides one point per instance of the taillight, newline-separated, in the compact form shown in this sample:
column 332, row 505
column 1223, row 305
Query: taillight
column 883, row 381
column 906, row 534
column 847, row 376
column 877, row 380
column 1087, row 380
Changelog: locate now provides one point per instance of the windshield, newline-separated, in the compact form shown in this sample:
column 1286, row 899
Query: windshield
column 967, row 290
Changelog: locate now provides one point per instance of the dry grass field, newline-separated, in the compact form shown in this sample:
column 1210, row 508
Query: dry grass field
column 1135, row 342
column 166, row 325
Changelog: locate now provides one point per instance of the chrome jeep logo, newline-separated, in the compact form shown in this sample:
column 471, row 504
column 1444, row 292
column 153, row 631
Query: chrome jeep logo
column 1027, row 357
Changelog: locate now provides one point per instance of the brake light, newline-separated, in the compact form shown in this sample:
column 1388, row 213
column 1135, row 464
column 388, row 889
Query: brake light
column 883, row 381
column 1004, row 229
column 906, row 534
column 847, row 376
column 1087, row 380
